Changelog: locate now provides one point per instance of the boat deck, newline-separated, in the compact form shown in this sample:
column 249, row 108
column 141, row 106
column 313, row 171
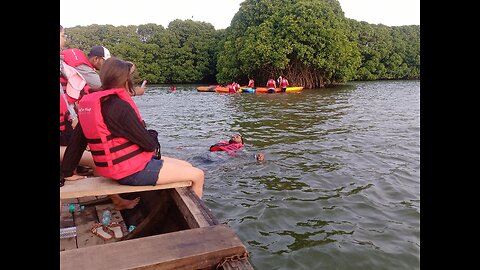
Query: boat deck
column 173, row 230
column 84, row 220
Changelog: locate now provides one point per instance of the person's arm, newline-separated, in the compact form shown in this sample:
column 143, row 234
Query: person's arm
column 122, row 121
column 92, row 77
column 74, row 151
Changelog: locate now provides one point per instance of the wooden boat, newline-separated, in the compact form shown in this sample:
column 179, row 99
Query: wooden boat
column 210, row 88
column 173, row 230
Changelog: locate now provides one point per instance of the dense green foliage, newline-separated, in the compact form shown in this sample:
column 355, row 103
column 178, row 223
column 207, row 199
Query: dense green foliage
column 308, row 41
column 387, row 52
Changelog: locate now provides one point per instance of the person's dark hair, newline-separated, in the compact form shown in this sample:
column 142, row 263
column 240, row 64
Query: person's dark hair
column 114, row 73
column 241, row 138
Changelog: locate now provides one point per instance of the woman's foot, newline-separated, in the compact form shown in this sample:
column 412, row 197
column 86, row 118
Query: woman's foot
column 121, row 203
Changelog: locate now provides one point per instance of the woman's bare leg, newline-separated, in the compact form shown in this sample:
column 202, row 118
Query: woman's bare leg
column 173, row 171
column 86, row 160
column 177, row 160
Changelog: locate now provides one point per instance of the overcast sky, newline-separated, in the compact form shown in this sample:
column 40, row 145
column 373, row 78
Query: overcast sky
column 217, row 12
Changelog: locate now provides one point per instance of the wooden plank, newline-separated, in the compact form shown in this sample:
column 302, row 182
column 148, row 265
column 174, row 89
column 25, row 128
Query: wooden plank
column 66, row 220
column 201, row 248
column 116, row 216
column 84, row 221
column 68, row 201
column 193, row 208
column 98, row 186
column 86, row 199
column 238, row 265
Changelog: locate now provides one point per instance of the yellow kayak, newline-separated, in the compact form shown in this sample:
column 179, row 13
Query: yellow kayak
column 294, row 88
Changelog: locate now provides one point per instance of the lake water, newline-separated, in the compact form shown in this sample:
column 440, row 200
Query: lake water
column 340, row 187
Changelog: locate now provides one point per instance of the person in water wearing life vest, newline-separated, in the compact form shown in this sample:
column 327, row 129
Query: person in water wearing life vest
column 122, row 148
column 271, row 85
column 284, row 84
column 231, row 146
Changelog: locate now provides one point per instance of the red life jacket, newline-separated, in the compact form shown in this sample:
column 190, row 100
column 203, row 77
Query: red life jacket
column 114, row 157
column 231, row 88
column 226, row 146
column 64, row 119
column 284, row 83
column 75, row 57
column 72, row 57
column 251, row 84
column 271, row 83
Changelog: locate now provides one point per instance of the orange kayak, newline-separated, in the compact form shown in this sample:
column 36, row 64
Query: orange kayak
column 265, row 90
column 221, row 89
column 210, row 88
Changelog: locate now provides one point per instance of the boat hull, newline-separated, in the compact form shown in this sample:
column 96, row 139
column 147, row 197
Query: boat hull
column 173, row 229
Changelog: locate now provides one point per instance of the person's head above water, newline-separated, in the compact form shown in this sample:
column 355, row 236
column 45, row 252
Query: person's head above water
column 236, row 139
column 260, row 157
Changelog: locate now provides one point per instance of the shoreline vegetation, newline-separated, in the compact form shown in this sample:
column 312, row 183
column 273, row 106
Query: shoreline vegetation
column 311, row 43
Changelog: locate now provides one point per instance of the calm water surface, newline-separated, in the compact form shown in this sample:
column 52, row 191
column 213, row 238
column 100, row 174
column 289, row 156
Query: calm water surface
column 340, row 188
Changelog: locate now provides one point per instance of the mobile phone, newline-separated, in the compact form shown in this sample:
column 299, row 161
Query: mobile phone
column 144, row 83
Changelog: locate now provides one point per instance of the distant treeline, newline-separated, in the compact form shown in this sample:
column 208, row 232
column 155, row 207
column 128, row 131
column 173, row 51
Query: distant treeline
column 309, row 42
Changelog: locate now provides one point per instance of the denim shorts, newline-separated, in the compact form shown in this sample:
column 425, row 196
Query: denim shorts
column 147, row 176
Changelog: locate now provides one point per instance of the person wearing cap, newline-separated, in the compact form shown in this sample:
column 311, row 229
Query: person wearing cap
column 88, row 67
column 91, row 65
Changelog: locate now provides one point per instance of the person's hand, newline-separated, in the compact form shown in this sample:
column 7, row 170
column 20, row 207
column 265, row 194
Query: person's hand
column 139, row 91
column 74, row 122
column 75, row 177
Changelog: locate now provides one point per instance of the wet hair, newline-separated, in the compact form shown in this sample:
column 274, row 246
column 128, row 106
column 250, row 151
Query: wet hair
column 115, row 73
column 241, row 139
